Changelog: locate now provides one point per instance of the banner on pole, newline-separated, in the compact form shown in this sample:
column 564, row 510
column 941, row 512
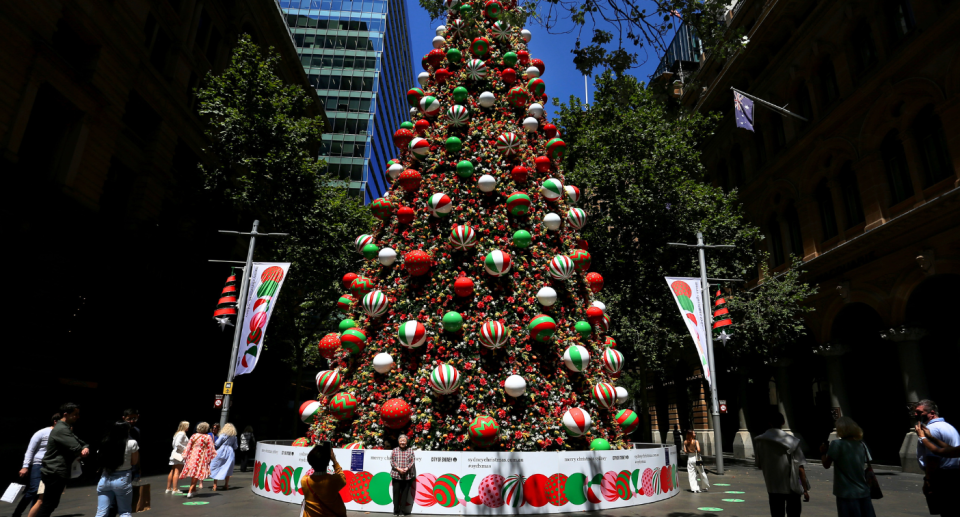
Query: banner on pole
column 265, row 283
column 689, row 297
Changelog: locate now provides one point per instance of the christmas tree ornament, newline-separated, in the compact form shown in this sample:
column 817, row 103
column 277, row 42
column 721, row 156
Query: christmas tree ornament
column 441, row 30
column 605, row 394
column 413, row 113
column 370, row 251
column 583, row 328
column 435, row 57
column 560, row 267
column 438, row 42
column 375, row 304
column 600, row 305
column 594, row 315
column 537, row 87
column 362, row 241
column 394, row 170
column 595, row 281
column 515, row 386
column 576, row 422
column 547, row 296
column 493, row 334
column 429, row 106
column 300, row 442
column 510, row 59
column 412, row 334
column 486, row 183
column 573, row 193
column 508, row 144
column 458, row 115
column 353, row 446
column 518, row 96
column 361, row 286
column 532, row 73
column 599, row 444
column 480, row 47
column 556, row 148
column 343, row 406
column 523, row 57
column 345, row 303
column 405, row 215
column 552, row 189
column 387, row 256
column 444, row 379
column 453, row 144
column 463, row 286
column 622, row 395
column 439, row 205
column 487, row 99
column 465, row 169
column 442, row 74
column 422, row 126
column 409, row 180
column 536, row 110
column 466, row 10
column 328, row 382
column 484, row 431
column 417, row 262
column 512, row 492
column 402, row 138
column 406, row 124
column 497, row 263
column 627, row 420
column 309, row 410
column 382, row 208
column 476, row 70
column 530, row 124
column 454, row 56
column 226, row 311
column 522, row 239
column 581, row 258
column 420, row 147
column 501, row 31
column 509, row 76
column 346, row 324
column 383, row 362
column 396, row 413
column 542, row 327
column 460, row 95
column 609, row 342
column 526, row 35
column 463, row 237
column 329, row 345
column 519, row 173
column 423, row 78
column 353, row 340
column 550, row 130
column 552, row 221
column 413, row 98
column 540, row 65
column 452, row 321
column 518, row 204
column 576, row 358
column 493, row 10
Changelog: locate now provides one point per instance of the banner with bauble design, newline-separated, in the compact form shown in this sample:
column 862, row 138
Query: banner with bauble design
column 265, row 282
column 688, row 294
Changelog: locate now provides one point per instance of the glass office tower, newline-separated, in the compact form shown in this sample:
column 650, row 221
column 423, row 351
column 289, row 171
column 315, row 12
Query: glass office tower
column 357, row 54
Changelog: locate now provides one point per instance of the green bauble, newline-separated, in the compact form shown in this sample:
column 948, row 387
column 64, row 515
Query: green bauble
column 599, row 444
column 583, row 328
column 454, row 56
column 460, row 93
column 347, row 324
column 465, row 169
column 466, row 10
column 452, row 321
column 370, row 251
column 453, row 144
column 510, row 59
column 407, row 125
column 522, row 239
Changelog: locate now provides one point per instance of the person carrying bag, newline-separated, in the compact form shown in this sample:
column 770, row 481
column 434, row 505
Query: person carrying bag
column 853, row 486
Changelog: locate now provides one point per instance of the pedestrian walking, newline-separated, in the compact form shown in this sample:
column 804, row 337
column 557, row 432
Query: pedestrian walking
column 678, row 438
column 32, row 461
column 197, row 456
column 779, row 456
column 222, row 466
column 63, row 447
column 403, row 470
column 248, row 447
column 180, row 442
column 321, row 497
column 695, row 473
column 847, row 455
column 941, row 474
column 118, row 454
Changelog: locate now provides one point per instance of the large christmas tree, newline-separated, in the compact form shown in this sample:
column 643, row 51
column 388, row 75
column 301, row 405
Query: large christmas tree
column 472, row 323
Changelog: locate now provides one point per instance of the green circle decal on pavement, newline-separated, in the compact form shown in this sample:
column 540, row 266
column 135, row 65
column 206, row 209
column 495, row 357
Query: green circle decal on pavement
column 709, row 509
column 733, row 492
column 184, row 486
column 721, row 484
column 195, row 503
column 732, row 500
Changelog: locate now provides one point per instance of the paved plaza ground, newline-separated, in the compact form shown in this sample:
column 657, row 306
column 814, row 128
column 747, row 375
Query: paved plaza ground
column 902, row 497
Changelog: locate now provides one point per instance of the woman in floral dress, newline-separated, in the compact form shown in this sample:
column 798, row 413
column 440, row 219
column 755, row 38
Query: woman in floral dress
column 197, row 456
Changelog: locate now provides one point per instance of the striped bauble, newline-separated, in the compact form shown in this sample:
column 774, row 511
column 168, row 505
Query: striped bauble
column 429, row 106
column 627, row 420
column 353, row 340
column 361, row 286
column 476, row 69
column 577, row 218
column 328, row 381
column 512, row 491
column 412, row 334
column 343, row 406
column 497, row 263
column 345, row 303
column 508, row 143
column 439, row 205
column 458, row 115
column 560, row 267
column 604, row 323
column 573, row 193
column 353, row 446
column 605, row 394
column 375, row 303
column 419, row 147
column 576, row 422
column 552, row 189
column 463, row 237
column 501, row 30
column 555, row 147
column 493, row 334
column 444, row 379
column 581, row 259
column 576, row 358
column 542, row 327
column 362, row 241
column 518, row 204
column 612, row 361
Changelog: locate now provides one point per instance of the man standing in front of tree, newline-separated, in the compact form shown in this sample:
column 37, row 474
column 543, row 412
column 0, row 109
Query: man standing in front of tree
column 63, row 447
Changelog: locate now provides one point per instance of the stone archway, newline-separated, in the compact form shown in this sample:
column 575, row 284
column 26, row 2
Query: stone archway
column 930, row 313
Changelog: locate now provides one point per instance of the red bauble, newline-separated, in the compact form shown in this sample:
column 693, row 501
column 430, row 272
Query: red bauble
column 348, row 279
column 442, row 75
column 409, row 180
column 523, row 56
column 583, row 244
column 550, row 130
column 542, row 163
column 463, row 286
column 539, row 64
column 402, row 138
column 435, row 57
column 595, row 281
column 594, row 315
column 417, row 262
column 395, row 413
column 519, row 173
column 422, row 126
column 329, row 345
column 509, row 75
column 405, row 215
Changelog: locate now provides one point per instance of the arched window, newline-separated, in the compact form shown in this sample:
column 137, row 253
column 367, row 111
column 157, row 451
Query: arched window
column 900, row 17
column 829, row 88
column 793, row 226
column 865, row 52
column 776, row 241
column 932, row 143
column 828, row 216
column 895, row 163
column 736, row 166
column 850, row 192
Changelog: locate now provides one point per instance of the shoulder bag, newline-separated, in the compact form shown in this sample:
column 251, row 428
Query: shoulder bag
column 871, row 477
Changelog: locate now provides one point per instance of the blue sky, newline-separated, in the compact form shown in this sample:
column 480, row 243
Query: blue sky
column 561, row 77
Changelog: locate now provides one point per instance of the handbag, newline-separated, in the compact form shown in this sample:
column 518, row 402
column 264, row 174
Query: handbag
column 12, row 493
column 141, row 497
column 699, row 459
column 176, row 456
column 871, row 477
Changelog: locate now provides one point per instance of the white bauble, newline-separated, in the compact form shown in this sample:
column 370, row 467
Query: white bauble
column 530, row 124
column 552, row 221
column 600, row 305
column 487, row 99
column 515, row 386
column 413, row 112
column 439, row 42
column 536, row 109
column 547, row 296
column 533, row 72
column 526, row 35
column 622, row 395
column 441, row 30
column 394, row 171
column 487, row 183
column 387, row 256
column 383, row 363
column 423, row 78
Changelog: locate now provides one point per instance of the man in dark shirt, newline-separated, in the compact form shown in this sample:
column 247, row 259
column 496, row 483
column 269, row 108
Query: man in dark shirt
column 63, row 447
column 678, row 439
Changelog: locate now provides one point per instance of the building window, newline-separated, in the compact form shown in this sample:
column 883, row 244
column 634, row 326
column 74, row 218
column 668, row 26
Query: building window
column 829, row 89
column 779, row 137
column 895, row 163
column 803, row 105
column 865, row 52
column 928, row 132
column 776, row 241
column 850, row 192
column 736, row 166
column 900, row 16
column 828, row 216
column 793, row 226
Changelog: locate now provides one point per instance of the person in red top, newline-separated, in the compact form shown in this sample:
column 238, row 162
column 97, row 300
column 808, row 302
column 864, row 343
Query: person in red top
column 403, row 471
column 321, row 496
column 197, row 456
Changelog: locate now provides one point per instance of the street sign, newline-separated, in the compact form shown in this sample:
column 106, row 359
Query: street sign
column 228, row 388
column 723, row 407
column 218, row 401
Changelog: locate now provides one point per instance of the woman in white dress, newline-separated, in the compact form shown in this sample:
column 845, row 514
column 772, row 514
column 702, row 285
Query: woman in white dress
column 695, row 474
column 180, row 442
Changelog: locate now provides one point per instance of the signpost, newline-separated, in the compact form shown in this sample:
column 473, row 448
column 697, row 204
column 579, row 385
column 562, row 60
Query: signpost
column 228, row 388
column 217, row 401
column 723, row 407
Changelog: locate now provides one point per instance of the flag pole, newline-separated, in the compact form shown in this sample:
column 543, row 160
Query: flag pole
column 783, row 111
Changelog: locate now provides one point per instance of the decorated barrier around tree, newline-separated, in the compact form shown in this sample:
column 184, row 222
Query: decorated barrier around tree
column 477, row 482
